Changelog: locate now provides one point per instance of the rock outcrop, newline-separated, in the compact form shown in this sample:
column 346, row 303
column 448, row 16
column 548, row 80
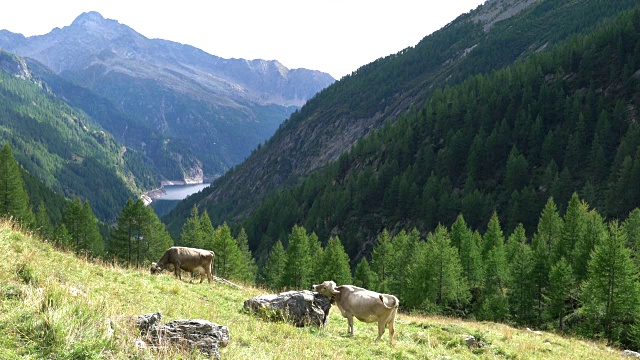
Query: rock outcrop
column 204, row 335
column 301, row 308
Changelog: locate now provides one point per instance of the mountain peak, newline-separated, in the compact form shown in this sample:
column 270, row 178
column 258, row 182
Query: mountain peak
column 88, row 17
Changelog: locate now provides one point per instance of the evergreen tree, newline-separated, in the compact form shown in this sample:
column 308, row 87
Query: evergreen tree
column 595, row 232
column 610, row 294
column 206, row 233
column 573, row 230
column 273, row 271
column 316, row 253
column 297, row 266
column 631, row 227
column 127, row 231
column 43, row 223
column 14, row 201
column 62, row 237
column 248, row 267
column 446, row 287
column 550, row 226
column 514, row 242
column 521, row 290
column 228, row 256
column 381, row 259
column 494, row 304
column 91, row 239
column 336, row 262
column 561, row 285
column 364, row 276
column 191, row 235
column 539, row 274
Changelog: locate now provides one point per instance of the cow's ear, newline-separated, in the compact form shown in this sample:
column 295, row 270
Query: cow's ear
column 336, row 291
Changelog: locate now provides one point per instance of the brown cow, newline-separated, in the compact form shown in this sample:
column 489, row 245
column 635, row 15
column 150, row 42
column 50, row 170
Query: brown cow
column 187, row 259
column 367, row 306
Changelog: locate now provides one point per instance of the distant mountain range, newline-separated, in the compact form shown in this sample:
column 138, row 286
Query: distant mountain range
column 209, row 112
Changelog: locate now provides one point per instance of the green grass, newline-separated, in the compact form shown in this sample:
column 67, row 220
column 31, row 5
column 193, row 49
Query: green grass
column 54, row 305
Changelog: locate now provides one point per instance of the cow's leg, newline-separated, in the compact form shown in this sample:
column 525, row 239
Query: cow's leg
column 207, row 271
column 350, row 322
column 381, row 325
column 178, row 273
column 392, row 330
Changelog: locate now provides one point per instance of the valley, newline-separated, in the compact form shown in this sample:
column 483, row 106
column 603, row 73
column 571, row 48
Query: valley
column 487, row 177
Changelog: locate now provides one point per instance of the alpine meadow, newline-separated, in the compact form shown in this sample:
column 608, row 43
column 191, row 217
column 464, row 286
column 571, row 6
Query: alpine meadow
column 484, row 184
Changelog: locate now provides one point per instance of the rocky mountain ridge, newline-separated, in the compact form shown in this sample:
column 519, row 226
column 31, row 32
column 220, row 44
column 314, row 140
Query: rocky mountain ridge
column 231, row 105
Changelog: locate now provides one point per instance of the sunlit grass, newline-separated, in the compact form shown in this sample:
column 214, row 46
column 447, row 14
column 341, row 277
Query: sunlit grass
column 56, row 305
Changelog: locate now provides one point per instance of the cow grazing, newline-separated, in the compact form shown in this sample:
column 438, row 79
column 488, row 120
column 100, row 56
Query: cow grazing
column 367, row 306
column 187, row 259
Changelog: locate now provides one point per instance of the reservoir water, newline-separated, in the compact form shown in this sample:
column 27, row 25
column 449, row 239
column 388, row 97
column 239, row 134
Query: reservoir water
column 174, row 193
column 179, row 192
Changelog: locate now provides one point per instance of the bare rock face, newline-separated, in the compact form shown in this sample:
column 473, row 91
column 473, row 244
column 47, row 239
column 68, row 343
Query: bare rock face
column 204, row 335
column 301, row 308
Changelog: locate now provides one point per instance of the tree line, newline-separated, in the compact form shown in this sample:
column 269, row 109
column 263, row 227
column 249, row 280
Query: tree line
column 577, row 273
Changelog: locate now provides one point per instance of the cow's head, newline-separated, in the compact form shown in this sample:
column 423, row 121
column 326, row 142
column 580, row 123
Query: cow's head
column 155, row 268
column 327, row 288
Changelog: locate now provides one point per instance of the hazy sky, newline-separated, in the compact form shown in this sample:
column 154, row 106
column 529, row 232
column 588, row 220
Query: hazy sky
column 334, row 36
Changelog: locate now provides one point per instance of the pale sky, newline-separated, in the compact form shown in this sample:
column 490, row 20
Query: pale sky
column 334, row 36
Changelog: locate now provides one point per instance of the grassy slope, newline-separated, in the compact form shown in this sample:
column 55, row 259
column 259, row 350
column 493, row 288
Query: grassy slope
column 55, row 305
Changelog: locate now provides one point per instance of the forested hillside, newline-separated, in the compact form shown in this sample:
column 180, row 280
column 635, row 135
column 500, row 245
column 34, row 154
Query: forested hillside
column 563, row 121
column 331, row 122
column 64, row 147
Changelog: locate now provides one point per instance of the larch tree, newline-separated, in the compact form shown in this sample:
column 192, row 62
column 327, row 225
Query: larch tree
column 14, row 201
column 561, row 287
column 521, row 290
column 248, row 267
column 494, row 305
column 298, row 265
column 191, row 235
column 228, row 256
column 381, row 258
column 336, row 262
column 363, row 275
column 610, row 294
column 273, row 270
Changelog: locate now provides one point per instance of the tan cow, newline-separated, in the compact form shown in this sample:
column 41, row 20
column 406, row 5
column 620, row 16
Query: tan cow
column 367, row 306
column 187, row 259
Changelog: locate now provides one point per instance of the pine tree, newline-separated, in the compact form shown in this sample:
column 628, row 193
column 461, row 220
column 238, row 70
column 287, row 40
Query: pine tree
column 336, row 262
column 248, row 267
column 191, row 235
column 273, row 271
column 561, row 285
column 14, row 201
column 364, row 276
column 631, row 227
column 127, row 231
column 550, row 226
column 297, row 266
column 316, row 253
column 381, row 258
column 206, row 233
column 91, row 239
column 446, row 287
column 517, row 238
column 43, row 223
column 228, row 256
column 573, row 230
column 610, row 294
column 494, row 304
column 539, row 274
column 595, row 232
column 521, row 290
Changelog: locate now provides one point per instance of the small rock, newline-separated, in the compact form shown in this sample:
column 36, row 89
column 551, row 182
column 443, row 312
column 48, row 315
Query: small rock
column 471, row 342
column 631, row 354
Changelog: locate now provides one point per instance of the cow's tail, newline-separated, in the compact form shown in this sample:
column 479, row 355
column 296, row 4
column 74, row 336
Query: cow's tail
column 395, row 304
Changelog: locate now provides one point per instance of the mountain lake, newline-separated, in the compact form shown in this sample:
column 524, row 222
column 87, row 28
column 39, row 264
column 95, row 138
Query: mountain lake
column 179, row 192
column 173, row 195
